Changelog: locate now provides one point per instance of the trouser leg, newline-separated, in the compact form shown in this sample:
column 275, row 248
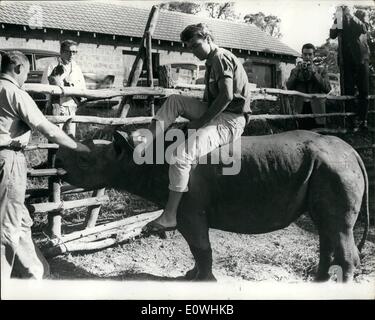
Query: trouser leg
column 15, row 219
column 363, row 90
column 7, row 260
column 225, row 128
column 177, row 105
column 29, row 261
column 308, row 123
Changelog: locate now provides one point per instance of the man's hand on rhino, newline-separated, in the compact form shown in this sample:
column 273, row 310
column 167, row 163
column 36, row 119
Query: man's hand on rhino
column 82, row 148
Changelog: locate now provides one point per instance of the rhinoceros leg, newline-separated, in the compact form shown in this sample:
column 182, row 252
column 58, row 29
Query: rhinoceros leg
column 325, row 258
column 335, row 198
column 193, row 225
column 346, row 254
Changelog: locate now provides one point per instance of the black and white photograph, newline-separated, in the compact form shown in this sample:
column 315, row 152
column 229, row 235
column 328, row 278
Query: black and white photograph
column 175, row 150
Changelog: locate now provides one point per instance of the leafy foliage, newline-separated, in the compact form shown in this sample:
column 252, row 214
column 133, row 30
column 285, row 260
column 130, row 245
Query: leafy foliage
column 222, row 10
column 216, row 10
column 329, row 50
column 225, row 10
column 185, row 7
column 269, row 24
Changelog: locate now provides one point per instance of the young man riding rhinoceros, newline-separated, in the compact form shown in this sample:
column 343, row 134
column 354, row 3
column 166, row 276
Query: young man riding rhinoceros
column 280, row 177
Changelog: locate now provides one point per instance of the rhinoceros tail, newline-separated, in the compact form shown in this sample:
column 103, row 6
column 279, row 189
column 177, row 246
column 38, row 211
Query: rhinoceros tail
column 365, row 205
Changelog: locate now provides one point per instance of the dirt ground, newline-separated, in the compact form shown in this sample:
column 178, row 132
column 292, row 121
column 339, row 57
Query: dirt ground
column 286, row 256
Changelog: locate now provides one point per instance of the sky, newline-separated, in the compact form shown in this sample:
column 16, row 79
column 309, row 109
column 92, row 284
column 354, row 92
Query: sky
column 301, row 20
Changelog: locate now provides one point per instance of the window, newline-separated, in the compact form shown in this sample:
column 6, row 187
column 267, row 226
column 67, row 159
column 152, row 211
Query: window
column 42, row 61
column 264, row 75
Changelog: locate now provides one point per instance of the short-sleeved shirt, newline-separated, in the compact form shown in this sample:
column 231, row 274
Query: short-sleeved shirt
column 72, row 74
column 18, row 112
column 221, row 64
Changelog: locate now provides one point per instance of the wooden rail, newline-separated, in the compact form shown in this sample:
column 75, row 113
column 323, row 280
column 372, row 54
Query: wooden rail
column 65, row 205
column 101, row 236
column 164, row 92
column 145, row 120
column 56, row 190
column 46, row 172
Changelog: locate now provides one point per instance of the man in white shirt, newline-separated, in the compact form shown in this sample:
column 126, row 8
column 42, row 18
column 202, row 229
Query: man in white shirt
column 18, row 115
column 65, row 72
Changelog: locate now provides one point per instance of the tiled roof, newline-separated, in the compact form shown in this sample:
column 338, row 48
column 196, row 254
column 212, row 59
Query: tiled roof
column 117, row 19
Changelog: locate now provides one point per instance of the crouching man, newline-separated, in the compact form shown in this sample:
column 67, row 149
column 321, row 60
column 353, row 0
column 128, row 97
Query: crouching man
column 18, row 115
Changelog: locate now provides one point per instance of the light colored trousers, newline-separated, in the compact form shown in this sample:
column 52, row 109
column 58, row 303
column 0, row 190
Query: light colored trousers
column 17, row 246
column 221, row 130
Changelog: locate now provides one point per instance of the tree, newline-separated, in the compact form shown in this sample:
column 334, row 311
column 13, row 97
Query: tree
column 185, row 7
column 329, row 51
column 270, row 24
column 222, row 10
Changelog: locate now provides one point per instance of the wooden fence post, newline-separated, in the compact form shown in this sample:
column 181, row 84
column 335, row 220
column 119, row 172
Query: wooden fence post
column 93, row 212
column 54, row 187
column 150, row 77
column 339, row 23
column 138, row 63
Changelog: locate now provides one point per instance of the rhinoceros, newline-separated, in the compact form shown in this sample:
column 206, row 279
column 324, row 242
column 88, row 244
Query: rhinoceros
column 281, row 176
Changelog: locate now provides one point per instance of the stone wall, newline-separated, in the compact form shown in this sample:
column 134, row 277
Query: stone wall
column 100, row 60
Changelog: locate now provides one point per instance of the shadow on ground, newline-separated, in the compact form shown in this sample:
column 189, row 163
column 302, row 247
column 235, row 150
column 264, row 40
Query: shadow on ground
column 64, row 270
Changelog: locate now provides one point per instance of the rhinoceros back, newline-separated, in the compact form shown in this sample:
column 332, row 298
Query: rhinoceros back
column 270, row 190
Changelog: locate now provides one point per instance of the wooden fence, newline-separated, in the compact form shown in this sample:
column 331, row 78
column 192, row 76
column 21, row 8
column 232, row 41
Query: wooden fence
column 56, row 190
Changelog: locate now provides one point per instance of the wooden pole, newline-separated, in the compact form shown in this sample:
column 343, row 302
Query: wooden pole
column 54, row 185
column 339, row 25
column 125, row 224
column 38, row 146
column 45, row 172
column 58, row 207
column 145, row 120
column 194, row 91
column 141, row 56
column 104, row 121
column 93, row 211
column 150, row 76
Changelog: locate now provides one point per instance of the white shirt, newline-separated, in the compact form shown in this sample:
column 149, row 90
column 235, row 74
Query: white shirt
column 72, row 74
column 18, row 112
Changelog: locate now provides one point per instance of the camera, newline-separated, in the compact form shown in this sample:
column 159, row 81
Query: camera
column 305, row 64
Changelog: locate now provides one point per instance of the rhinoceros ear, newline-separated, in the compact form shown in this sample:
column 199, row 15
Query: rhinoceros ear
column 122, row 142
column 67, row 128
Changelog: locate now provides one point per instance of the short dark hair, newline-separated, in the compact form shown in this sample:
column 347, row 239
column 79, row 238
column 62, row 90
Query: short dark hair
column 308, row 46
column 201, row 30
column 12, row 57
column 66, row 44
column 360, row 14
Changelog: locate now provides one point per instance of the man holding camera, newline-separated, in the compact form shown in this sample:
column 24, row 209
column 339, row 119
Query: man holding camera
column 65, row 72
column 354, row 59
column 306, row 77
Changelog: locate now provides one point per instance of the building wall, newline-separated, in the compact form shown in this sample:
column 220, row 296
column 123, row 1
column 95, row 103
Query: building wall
column 108, row 59
column 285, row 68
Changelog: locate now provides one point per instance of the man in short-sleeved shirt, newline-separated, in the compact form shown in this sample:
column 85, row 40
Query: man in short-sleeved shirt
column 16, row 118
column 216, row 121
column 220, row 64
column 19, row 114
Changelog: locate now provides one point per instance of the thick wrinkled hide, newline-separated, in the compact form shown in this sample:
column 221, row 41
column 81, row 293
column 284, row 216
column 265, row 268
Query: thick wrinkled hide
column 281, row 177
